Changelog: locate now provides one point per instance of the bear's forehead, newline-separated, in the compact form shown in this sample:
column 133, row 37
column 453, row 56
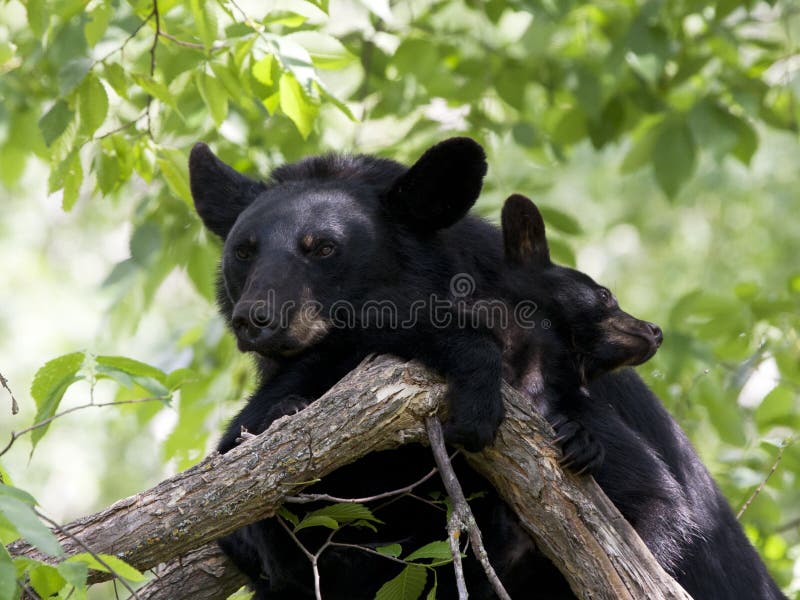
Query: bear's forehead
column 291, row 209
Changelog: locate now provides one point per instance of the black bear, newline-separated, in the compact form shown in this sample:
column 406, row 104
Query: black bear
column 585, row 332
column 339, row 234
column 307, row 252
column 619, row 430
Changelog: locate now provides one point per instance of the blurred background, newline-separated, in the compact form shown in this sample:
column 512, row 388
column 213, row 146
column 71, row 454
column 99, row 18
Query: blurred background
column 660, row 139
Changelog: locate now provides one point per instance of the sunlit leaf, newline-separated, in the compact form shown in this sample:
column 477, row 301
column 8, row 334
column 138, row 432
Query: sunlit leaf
column 92, row 105
column 205, row 20
column 116, row 565
column 296, row 105
column 49, row 385
column 28, row 524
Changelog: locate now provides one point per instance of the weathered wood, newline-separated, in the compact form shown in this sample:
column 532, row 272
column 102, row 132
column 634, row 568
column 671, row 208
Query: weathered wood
column 380, row 405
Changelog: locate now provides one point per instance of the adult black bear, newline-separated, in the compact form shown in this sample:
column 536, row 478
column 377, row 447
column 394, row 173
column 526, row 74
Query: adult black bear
column 308, row 254
column 648, row 469
column 340, row 235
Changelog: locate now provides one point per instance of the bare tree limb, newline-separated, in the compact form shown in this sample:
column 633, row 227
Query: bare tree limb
column 380, row 405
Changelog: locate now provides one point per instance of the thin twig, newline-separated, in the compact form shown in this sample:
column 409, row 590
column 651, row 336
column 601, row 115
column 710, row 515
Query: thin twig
column 313, row 558
column 193, row 45
column 14, row 405
column 368, row 551
column 462, row 517
column 17, row 434
column 788, row 442
column 121, row 48
column 91, row 552
column 306, row 498
column 153, row 47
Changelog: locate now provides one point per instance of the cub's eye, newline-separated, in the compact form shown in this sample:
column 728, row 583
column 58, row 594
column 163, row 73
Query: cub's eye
column 606, row 297
column 243, row 253
column 324, row 249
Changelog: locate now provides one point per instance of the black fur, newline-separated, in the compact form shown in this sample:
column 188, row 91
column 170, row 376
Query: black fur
column 392, row 220
column 617, row 428
column 361, row 230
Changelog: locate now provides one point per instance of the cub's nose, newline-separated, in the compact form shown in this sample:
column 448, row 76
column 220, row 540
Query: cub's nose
column 658, row 335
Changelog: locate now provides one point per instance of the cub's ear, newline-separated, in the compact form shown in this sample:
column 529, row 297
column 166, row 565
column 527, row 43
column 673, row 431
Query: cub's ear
column 523, row 233
column 220, row 192
column 441, row 187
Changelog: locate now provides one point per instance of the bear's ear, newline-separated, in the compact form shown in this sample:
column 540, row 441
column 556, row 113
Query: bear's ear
column 220, row 192
column 441, row 187
column 523, row 233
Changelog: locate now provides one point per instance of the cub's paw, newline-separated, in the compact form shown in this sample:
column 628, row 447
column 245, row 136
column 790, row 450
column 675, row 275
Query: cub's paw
column 580, row 451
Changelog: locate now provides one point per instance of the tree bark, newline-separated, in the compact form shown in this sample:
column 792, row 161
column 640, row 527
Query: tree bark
column 380, row 405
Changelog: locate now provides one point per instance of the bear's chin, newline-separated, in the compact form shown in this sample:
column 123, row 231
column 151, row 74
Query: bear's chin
column 285, row 347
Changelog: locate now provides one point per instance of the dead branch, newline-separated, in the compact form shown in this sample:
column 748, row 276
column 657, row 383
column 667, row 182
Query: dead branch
column 380, row 405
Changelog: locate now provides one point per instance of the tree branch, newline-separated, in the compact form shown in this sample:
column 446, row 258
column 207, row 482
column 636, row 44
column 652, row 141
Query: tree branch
column 380, row 405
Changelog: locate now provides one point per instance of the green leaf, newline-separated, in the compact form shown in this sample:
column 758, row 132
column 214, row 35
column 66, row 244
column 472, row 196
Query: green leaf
column 205, row 20
column 96, row 27
column 674, row 156
column 777, row 408
column 38, row 16
column 72, row 183
column 326, row 51
column 201, row 268
column 394, row 550
column 45, row 580
column 154, row 88
column 49, row 385
column 8, row 576
column 92, row 105
column 641, row 150
column 145, row 241
column 345, row 512
column 76, row 574
column 408, row 585
column 214, row 95
column 560, row 220
column 107, row 171
column 747, row 142
column 118, row 566
column 175, row 170
column 179, row 377
column 285, row 513
column 28, row 524
column 72, row 73
column 317, row 521
column 262, row 69
column 55, row 121
column 295, row 104
column 437, row 550
column 128, row 371
column 714, row 127
column 17, row 493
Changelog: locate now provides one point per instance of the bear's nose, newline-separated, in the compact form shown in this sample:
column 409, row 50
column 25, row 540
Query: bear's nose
column 252, row 324
column 658, row 335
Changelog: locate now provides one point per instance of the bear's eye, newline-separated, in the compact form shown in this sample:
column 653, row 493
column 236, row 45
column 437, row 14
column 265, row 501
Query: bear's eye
column 606, row 297
column 324, row 249
column 243, row 253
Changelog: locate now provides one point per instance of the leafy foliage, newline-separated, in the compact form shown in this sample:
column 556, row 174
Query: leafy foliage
column 660, row 136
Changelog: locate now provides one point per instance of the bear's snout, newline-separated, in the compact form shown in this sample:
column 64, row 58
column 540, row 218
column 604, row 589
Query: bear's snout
column 253, row 325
